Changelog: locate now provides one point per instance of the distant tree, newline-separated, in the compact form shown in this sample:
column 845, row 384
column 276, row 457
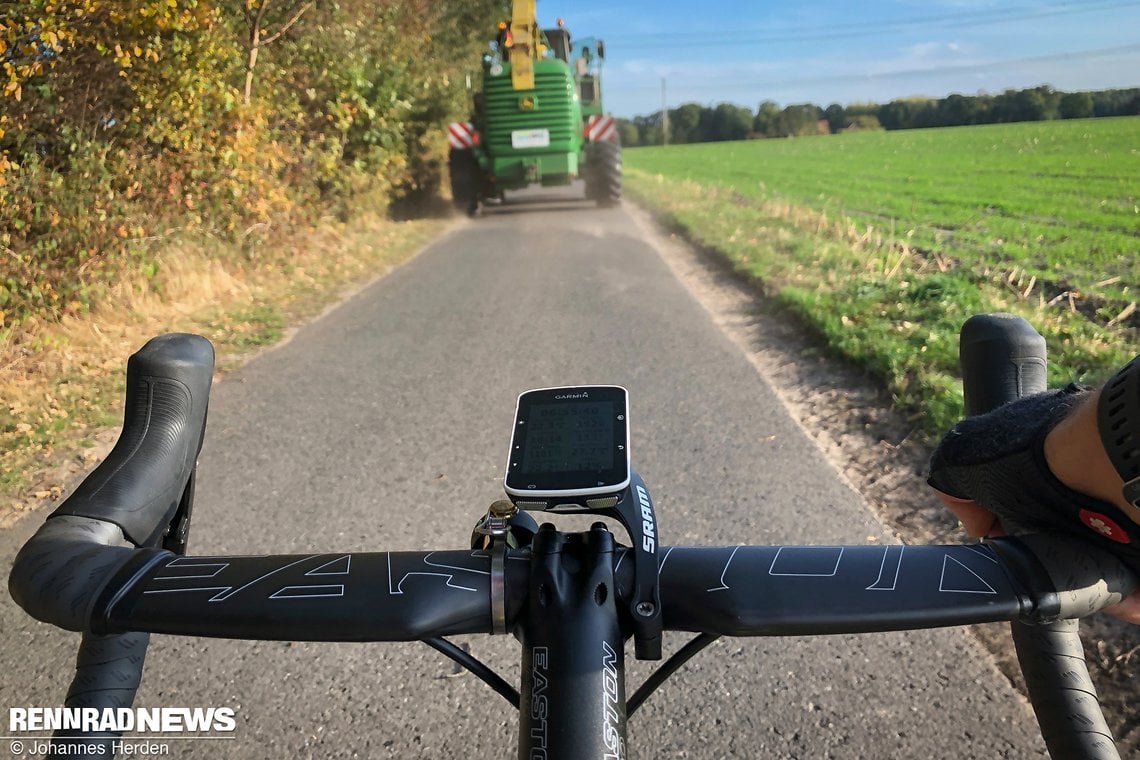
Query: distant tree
column 767, row 119
column 799, row 120
column 893, row 115
column 1032, row 104
column 1116, row 102
column 1046, row 99
column 866, row 122
column 984, row 106
column 628, row 133
column 1006, row 107
column 855, row 110
column 1076, row 105
column 957, row 110
column 684, row 123
column 836, row 116
column 692, row 122
column 730, row 122
column 900, row 114
column 648, row 129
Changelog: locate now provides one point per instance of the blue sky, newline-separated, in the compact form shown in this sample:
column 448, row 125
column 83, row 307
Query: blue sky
column 827, row 51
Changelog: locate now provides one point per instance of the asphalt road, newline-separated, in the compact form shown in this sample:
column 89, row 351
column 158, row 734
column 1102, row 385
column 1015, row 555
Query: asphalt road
column 384, row 425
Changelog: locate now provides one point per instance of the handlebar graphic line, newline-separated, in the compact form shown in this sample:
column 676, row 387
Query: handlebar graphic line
column 1003, row 358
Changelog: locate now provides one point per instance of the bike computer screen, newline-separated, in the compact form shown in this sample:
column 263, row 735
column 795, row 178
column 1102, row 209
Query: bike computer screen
column 570, row 447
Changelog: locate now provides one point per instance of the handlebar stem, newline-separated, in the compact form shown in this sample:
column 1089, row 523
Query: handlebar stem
column 573, row 664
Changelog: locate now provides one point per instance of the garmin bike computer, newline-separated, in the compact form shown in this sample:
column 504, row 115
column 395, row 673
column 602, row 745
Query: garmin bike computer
column 570, row 448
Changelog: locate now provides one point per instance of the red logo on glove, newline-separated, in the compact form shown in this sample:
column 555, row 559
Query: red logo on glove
column 1105, row 526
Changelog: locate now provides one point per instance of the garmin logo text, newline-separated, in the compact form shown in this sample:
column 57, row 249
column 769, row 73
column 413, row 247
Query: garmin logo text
column 562, row 396
column 648, row 525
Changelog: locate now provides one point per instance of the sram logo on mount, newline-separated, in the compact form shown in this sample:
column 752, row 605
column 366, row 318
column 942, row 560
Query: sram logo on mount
column 648, row 522
column 569, row 448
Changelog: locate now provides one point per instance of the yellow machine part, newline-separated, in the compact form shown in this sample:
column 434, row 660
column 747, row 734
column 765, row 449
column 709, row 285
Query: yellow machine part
column 524, row 30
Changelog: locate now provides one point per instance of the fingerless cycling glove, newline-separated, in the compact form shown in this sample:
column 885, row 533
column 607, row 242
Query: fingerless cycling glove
column 998, row 460
column 1118, row 421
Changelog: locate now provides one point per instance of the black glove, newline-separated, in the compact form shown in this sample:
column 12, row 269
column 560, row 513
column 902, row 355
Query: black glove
column 998, row 460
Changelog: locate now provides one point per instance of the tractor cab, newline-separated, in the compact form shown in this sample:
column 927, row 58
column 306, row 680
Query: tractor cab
column 586, row 58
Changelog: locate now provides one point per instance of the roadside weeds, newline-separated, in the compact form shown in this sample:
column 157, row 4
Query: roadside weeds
column 62, row 382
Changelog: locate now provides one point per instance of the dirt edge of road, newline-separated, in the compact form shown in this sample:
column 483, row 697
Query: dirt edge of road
column 876, row 449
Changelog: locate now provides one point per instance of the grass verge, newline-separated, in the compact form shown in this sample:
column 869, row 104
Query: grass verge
column 62, row 382
column 876, row 300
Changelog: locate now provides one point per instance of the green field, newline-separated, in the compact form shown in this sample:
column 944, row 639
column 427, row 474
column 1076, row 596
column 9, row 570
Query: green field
column 885, row 241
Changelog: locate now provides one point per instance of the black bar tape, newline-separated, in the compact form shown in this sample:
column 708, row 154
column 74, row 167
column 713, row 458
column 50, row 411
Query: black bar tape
column 58, row 575
column 1053, row 663
column 107, row 675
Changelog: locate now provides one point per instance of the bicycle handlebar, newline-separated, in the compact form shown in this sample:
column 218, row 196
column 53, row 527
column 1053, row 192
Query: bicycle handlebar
column 403, row 596
column 96, row 566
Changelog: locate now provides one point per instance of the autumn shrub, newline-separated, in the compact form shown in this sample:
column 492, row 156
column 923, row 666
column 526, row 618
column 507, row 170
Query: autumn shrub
column 125, row 124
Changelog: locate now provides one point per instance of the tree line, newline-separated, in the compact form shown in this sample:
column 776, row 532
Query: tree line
column 125, row 122
column 692, row 122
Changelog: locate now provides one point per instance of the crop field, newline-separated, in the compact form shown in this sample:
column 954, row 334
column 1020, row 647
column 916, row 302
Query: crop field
column 885, row 241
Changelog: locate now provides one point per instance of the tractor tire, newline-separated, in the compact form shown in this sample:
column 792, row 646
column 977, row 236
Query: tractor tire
column 603, row 176
column 465, row 179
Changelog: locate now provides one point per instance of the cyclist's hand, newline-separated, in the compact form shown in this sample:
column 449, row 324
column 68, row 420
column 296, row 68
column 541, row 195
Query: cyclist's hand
column 1037, row 465
column 980, row 522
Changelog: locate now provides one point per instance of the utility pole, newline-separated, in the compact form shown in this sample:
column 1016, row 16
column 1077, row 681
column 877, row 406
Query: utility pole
column 664, row 115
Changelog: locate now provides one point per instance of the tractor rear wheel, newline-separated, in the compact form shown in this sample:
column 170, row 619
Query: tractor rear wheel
column 465, row 179
column 603, row 176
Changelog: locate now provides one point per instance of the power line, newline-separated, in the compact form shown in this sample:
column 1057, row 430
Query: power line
column 796, row 34
column 671, row 39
